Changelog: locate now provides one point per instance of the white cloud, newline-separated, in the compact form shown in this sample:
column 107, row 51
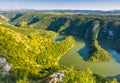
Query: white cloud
column 81, row 6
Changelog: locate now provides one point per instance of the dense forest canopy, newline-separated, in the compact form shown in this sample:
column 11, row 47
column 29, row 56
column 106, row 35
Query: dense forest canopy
column 27, row 44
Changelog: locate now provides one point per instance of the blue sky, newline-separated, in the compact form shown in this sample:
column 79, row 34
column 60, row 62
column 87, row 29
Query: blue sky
column 61, row 4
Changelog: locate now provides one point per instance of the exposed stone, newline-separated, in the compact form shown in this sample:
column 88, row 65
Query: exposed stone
column 5, row 68
column 110, row 33
column 63, row 33
column 86, row 34
column 96, row 26
column 56, row 77
column 74, row 32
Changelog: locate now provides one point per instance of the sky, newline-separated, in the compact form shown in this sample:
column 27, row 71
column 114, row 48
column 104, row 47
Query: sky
column 61, row 4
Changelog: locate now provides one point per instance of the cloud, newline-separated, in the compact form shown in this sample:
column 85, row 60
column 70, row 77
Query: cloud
column 55, row 4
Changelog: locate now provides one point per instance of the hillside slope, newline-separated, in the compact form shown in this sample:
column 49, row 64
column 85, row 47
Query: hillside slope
column 30, row 49
column 76, row 25
column 28, row 54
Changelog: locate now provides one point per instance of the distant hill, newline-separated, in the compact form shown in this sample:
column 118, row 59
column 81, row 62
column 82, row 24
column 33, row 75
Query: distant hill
column 86, row 11
column 70, row 11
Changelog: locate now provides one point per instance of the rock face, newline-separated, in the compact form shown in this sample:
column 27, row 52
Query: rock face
column 86, row 34
column 56, row 77
column 110, row 34
column 5, row 68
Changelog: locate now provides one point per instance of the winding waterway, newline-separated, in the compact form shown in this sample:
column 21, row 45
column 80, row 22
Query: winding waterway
column 79, row 53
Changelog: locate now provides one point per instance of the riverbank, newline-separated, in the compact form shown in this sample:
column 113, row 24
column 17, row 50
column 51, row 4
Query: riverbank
column 58, row 39
column 76, row 56
column 64, row 54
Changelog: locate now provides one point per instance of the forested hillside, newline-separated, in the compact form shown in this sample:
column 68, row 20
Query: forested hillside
column 28, row 54
column 28, row 46
column 71, row 24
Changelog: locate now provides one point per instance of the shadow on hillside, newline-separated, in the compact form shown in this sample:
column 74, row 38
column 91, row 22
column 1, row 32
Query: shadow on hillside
column 76, row 28
column 34, row 20
column 56, row 24
column 107, row 46
column 72, row 28
column 17, row 16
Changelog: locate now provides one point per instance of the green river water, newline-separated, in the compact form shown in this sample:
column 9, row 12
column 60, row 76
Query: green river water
column 79, row 53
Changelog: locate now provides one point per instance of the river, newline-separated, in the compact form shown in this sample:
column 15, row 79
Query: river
column 79, row 53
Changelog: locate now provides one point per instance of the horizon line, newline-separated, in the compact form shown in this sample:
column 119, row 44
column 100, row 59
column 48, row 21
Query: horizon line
column 61, row 9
